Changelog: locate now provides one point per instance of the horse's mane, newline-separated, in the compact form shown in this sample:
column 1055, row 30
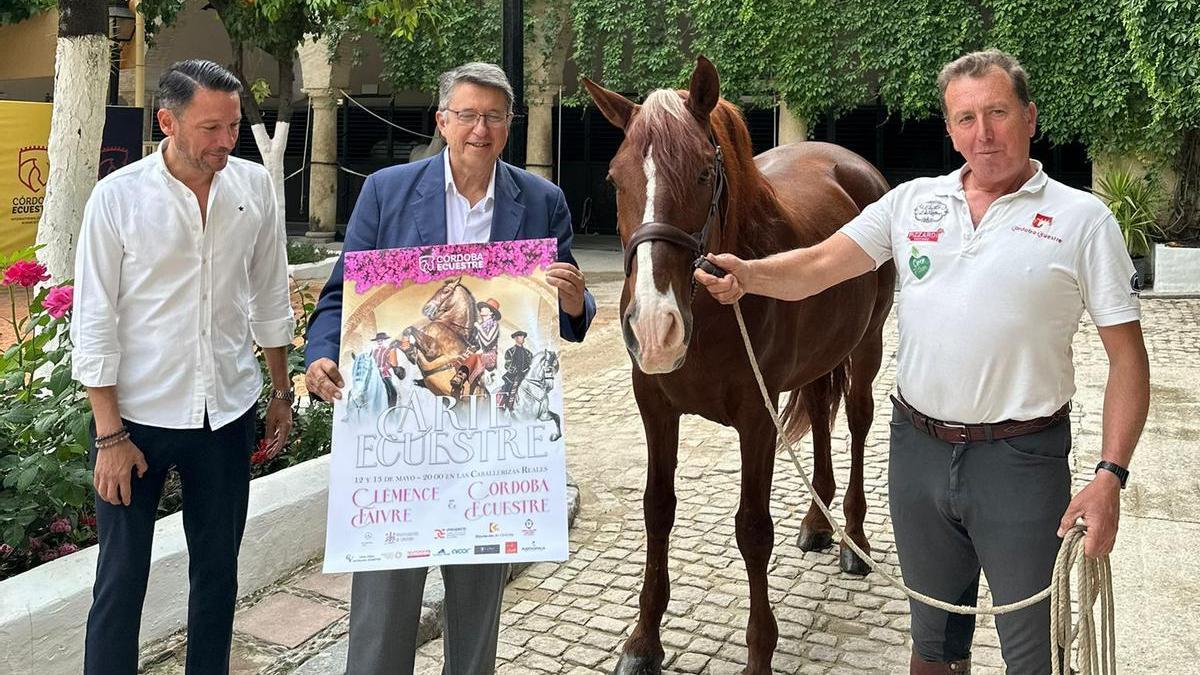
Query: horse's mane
column 540, row 358
column 750, row 205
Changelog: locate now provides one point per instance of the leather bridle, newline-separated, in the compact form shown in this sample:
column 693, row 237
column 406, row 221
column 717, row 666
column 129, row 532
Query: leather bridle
column 695, row 242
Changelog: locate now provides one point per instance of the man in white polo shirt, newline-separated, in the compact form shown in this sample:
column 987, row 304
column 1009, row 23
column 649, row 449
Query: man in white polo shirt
column 997, row 264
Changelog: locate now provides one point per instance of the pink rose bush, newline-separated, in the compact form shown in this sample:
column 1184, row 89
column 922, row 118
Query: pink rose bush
column 58, row 301
column 25, row 273
column 46, row 512
column 46, row 508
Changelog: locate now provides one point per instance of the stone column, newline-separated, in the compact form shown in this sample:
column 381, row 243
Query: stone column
column 321, row 81
column 545, row 57
column 539, row 143
column 792, row 129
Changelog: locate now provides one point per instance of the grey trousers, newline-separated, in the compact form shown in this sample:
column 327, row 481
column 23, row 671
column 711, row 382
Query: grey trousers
column 960, row 507
column 385, row 612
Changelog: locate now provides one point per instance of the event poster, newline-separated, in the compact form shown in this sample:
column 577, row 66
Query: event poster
column 447, row 443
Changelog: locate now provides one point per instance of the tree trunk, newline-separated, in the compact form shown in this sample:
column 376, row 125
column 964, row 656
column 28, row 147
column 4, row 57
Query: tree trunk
column 1185, row 211
column 81, row 66
column 271, row 147
column 271, row 150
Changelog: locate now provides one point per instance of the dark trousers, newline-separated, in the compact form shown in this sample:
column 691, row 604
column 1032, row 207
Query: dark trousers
column 961, row 507
column 385, row 613
column 214, row 469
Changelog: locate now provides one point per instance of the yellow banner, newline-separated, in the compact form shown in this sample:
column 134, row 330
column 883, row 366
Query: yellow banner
column 24, row 170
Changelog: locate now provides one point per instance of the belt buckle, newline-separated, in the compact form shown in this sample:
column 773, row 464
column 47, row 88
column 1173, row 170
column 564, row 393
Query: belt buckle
column 960, row 428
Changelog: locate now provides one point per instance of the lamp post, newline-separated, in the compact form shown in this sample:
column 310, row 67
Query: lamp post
column 513, row 46
column 121, row 26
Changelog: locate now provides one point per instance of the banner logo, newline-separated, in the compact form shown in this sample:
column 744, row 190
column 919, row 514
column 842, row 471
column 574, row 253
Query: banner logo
column 33, row 168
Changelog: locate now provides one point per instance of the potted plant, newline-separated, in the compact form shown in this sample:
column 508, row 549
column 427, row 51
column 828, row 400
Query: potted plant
column 1134, row 201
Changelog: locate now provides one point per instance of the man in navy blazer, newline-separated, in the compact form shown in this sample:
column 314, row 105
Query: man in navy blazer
column 462, row 195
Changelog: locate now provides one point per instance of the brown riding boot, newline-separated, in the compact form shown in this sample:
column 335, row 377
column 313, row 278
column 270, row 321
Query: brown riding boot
column 916, row 666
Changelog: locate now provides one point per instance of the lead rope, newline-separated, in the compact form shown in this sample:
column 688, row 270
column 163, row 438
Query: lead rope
column 1094, row 578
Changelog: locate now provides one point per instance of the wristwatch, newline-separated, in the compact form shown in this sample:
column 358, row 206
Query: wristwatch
column 1121, row 472
column 283, row 395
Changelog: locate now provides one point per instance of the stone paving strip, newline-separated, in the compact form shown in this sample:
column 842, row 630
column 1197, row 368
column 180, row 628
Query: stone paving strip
column 301, row 623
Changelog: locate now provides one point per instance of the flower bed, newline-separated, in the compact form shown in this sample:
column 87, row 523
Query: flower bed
column 46, row 496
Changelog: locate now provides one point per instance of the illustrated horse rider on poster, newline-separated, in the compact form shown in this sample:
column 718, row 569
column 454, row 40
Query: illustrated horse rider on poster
column 387, row 359
column 517, row 360
column 485, row 339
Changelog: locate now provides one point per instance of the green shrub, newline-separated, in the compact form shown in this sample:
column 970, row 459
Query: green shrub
column 303, row 252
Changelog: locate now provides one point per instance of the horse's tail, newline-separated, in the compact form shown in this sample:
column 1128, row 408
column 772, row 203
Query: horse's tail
column 795, row 417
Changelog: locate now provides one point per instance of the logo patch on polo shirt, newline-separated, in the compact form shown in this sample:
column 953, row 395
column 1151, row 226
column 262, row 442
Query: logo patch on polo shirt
column 925, row 235
column 919, row 264
column 1040, row 228
column 930, row 211
column 1135, row 284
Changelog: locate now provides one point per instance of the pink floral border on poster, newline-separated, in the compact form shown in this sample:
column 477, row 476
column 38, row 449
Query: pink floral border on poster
column 368, row 269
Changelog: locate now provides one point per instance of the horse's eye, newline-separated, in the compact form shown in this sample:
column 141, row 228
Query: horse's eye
column 705, row 176
column 612, row 184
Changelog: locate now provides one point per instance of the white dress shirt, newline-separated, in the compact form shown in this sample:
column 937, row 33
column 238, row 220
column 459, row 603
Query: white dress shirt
column 466, row 224
column 166, row 305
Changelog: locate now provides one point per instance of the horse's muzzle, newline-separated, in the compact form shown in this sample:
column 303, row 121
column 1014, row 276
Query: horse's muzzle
column 657, row 340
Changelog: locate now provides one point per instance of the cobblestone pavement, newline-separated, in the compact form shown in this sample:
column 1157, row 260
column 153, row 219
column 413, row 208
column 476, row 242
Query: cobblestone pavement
column 573, row 617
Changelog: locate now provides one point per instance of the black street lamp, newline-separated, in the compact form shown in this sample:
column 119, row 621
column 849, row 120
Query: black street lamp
column 121, row 26
column 513, row 50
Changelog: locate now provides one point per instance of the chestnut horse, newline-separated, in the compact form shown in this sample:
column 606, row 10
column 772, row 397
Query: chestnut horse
column 439, row 346
column 687, row 183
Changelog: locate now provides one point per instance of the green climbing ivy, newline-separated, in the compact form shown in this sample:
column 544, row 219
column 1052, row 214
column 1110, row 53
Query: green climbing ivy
column 1119, row 77
column 16, row 11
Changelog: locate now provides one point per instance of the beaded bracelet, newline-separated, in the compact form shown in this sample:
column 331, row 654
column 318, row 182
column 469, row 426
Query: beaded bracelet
column 113, row 441
column 118, row 432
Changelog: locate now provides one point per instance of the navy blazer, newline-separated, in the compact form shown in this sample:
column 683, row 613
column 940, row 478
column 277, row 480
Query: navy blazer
column 405, row 205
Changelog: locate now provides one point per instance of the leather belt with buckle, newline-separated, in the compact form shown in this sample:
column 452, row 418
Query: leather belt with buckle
column 956, row 432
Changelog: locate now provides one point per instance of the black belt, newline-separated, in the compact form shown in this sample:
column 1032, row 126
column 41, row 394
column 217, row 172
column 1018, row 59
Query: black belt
column 955, row 432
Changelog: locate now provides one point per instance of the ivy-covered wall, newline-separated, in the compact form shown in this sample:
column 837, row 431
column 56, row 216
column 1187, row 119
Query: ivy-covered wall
column 1120, row 76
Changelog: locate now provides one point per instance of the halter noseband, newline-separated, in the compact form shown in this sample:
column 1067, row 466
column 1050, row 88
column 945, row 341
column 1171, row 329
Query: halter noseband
column 695, row 242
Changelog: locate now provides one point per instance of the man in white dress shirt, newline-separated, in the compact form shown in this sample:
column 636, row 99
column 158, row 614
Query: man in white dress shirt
column 181, row 263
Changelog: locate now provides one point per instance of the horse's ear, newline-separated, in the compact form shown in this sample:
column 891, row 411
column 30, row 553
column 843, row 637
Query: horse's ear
column 704, row 90
column 352, row 354
column 616, row 108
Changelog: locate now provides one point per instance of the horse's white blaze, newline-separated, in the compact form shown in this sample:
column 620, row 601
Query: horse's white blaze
column 651, row 172
column 656, row 310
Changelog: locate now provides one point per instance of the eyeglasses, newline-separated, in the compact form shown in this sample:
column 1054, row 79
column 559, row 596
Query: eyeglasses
column 470, row 117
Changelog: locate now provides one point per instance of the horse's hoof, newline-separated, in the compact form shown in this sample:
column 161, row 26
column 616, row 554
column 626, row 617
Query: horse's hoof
column 850, row 563
column 814, row 540
column 639, row 665
column 555, row 437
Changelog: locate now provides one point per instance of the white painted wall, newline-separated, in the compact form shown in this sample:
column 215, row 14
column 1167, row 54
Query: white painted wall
column 43, row 612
